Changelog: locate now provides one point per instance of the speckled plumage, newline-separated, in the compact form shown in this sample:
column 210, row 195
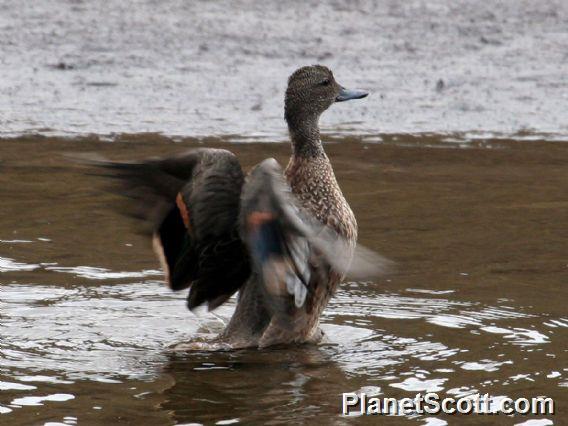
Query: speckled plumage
column 312, row 180
column 283, row 240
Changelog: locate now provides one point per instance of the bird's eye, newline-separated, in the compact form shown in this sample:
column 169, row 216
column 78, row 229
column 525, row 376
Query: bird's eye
column 326, row 82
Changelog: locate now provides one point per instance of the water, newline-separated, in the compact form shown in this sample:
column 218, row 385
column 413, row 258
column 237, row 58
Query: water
column 455, row 167
column 477, row 304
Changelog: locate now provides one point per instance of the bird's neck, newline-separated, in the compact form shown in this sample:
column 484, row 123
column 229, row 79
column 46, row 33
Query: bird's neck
column 305, row 136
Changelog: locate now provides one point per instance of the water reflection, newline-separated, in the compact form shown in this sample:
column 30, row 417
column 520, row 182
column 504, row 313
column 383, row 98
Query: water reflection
column 88, row 330
column 8, row 265
column 116, row 333
column 284, row 384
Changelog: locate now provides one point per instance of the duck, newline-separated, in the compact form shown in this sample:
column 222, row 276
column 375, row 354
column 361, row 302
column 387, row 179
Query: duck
column 283, row 239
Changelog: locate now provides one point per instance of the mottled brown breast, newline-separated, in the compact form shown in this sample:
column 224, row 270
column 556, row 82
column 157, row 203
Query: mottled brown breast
column 313, row 182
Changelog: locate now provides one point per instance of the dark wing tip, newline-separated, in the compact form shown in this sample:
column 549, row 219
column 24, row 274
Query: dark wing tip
column 185, row 225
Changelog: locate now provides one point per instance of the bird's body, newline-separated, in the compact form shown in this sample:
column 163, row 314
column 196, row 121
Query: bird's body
column 283, row 240
column 312, row 182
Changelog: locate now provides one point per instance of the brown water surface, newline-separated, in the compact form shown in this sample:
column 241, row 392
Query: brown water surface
column 477, row 304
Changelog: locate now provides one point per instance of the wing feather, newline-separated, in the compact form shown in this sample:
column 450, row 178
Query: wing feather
column 291, row 251
column 191, row 204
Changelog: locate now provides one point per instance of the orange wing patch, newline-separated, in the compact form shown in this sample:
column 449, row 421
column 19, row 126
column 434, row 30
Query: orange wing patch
column 183, row 210
column 255, row 219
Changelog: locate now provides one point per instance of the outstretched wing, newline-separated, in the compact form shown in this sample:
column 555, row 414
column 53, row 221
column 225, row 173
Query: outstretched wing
column 291, row 252
column 191, row 202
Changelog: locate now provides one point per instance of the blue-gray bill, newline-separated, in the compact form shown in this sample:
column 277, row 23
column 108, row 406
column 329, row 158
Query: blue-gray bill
column 347, row 95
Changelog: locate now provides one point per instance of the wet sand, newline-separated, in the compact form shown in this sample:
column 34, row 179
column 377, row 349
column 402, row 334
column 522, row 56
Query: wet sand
column 203, row 68
column 477, row 302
